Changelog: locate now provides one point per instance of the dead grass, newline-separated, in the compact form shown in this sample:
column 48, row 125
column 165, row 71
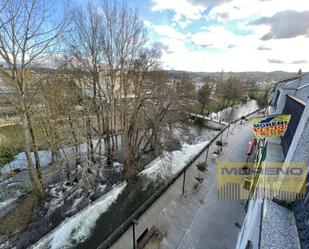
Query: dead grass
column 17, row 220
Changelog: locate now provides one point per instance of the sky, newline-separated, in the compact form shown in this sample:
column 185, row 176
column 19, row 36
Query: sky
column 228, row 35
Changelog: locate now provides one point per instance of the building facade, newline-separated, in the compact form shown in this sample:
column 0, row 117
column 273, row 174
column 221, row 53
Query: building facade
column 271, row 223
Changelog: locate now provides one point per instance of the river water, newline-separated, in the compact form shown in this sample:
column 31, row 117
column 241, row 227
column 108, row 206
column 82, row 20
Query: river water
column 232, row 113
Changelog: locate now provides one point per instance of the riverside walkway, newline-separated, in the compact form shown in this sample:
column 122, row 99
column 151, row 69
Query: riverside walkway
column 198, row 220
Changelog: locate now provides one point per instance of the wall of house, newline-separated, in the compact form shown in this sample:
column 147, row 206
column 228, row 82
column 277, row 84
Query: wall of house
column 250, row 230
column 282, row 99
column 272, row 97
column 299, row 149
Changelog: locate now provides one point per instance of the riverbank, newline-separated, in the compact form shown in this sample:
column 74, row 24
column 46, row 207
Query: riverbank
column 57, row 209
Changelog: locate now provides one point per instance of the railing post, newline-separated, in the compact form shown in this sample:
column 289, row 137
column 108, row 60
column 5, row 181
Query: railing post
column 184, row 182
column 221, row 136
column 207, row 154
column 228, row 130
column 134, row 222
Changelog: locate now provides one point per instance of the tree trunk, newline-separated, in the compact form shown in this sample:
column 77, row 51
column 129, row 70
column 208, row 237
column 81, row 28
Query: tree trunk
column 34, row 146
column 109, row 150
column 35, row 179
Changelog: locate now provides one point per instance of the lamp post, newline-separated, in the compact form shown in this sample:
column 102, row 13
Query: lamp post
column 134, row 222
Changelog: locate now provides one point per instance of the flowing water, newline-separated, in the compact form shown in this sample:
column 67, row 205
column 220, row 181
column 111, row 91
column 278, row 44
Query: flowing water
column 236, row 111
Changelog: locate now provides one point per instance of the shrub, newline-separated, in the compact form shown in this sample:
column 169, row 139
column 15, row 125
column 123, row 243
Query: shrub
column 202, row 166
column 7, row 154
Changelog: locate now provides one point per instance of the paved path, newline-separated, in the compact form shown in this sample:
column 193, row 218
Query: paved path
column 200, row 220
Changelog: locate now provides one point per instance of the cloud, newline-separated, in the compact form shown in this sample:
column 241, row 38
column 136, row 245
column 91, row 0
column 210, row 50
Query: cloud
column 275, row 61
column 231, row 46
column 222, row 15
column 300, row 62
column 162, row 47
column 213, row 43
column 216, row 37
column 182, row 8
column 286, row 24
column 187, row 10
column 202, row 45
column 209, row 3
column 244, row 9
column 168, row 31
column 263, row 48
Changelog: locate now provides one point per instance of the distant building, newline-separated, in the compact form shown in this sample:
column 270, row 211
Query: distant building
column 273, row 224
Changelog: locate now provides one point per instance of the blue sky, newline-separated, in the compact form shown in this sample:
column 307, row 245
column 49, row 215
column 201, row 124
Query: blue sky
column 229, row 35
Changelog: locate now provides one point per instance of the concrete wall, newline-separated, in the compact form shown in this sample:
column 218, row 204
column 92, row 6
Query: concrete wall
column 250, row 230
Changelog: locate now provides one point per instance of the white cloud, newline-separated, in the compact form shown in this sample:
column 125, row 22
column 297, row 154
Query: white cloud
column 243, row 57
column 182, row 8
column 242, row 9
column 217, row 37
column 228, row 50
column 168, row 31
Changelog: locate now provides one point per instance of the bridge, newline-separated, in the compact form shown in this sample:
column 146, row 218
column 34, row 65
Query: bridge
column 219, row 123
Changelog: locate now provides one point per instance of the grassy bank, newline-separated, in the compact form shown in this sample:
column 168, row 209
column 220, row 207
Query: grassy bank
column 11, row 143
column 216, row 106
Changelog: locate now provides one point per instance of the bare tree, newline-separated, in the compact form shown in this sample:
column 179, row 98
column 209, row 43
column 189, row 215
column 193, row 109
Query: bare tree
column 123, row 37
column 204, row 96
column 28, row 36
column 85, row 48
column 233, row 89
column 230, row 91
column 152, row 112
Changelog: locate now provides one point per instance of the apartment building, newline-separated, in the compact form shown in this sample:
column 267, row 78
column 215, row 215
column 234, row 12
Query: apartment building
column 272, row 223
